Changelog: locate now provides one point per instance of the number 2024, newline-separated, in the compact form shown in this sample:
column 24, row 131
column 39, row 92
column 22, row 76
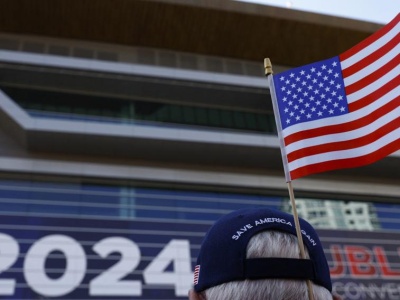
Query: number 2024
column 107, row 283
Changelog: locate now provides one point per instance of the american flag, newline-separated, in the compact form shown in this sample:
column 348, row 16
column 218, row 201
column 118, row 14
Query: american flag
column 196, row 274
column 342, row 112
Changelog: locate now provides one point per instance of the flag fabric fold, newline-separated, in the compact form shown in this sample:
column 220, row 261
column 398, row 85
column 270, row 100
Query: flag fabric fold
column 342, row 112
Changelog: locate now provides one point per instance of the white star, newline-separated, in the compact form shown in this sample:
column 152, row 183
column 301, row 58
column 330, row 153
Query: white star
column 313, row 109
column 342, row 109
column 288, row 92
column 308, row 76
column 316, row 91
column 340, row 97
column 305, row 94
column 314, row 80
column 338, row 86
column 291, row 114
column 333, row 93
column 323, row 67
column 323, row 96
column 282, row 78
column 308, row 116
column 284, row 99
column 330, row 71
column 331, row 82
column 318, row 102
column 290, row 103
column 286, row 110
column 297, row 118
column 325, row 77
column 287, row 81
column 303, row 83
column 324, row 107
column 287, row 121
column 312, row 70
column 335, row 104
column 319, row 74
column 336, row 75
column 297, row 78
column 302, row 111
column 283, row 88
column 319, row 114
column 291, row 75
column 302, row 72
column 334, row 64
column 331, row 111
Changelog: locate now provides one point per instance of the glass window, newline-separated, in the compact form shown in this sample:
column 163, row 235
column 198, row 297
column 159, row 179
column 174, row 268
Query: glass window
column 239, row 120
column 188, row 114
column 201, row 116
column 214, row 117
column 131, row 202
column 226, row 119
column 57, row 104
column 250, row 120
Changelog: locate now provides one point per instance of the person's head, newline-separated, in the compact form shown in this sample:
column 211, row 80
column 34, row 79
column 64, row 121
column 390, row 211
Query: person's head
column 253, row 254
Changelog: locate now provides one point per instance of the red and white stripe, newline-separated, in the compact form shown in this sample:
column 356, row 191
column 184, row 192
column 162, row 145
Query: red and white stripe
column 196, row 274
column 371, row 129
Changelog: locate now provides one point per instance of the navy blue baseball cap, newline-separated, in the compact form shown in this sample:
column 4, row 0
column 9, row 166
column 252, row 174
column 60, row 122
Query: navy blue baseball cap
column 222, row 257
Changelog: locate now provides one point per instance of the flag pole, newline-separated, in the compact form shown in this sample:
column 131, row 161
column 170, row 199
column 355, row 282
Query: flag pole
column 269, row 72
column 299, row 235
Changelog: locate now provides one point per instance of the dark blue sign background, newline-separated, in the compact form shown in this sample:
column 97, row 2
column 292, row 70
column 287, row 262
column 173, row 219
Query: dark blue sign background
column 364, row 265
column 150, row 236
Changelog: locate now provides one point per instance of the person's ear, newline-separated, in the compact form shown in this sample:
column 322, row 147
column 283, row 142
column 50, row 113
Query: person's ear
column 194, row 296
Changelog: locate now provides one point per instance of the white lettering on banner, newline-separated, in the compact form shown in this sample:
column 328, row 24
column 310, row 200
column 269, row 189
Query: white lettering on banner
column 35, row 260
column 177, row 252
column 261, row 221
column 9, row 251
column 110, row 282
column 360, row 291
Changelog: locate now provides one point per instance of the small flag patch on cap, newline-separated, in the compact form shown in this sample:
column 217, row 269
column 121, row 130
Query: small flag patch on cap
column 196, row 274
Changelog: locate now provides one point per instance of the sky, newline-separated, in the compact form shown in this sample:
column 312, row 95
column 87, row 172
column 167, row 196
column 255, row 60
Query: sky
column 377, row 11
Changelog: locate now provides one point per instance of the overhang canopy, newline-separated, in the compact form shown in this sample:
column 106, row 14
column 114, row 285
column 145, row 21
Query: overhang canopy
column 222, row 28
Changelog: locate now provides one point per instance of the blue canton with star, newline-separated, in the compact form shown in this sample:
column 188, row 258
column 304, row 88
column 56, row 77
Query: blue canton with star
column 311, row 92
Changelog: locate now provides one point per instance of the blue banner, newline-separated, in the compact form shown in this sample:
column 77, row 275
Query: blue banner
column 76, row 258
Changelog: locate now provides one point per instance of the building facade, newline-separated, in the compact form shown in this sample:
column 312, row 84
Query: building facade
column 128, row 127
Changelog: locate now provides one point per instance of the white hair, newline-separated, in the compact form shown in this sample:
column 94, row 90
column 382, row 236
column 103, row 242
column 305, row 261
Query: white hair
column 268, row 244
